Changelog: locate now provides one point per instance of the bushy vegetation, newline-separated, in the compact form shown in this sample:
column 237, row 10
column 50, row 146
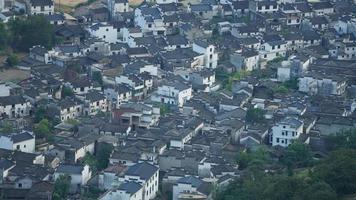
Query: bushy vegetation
column 26, row 32
column 299, row 175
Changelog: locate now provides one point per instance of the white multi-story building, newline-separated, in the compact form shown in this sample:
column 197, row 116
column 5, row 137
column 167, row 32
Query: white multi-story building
column 146, row 175
column 40, row 7
column 325, row 85
column 272, row 50
column 104, row 31
column 149, row 19
column 208, row 50
column 94, row 102
column 69, row 109
column 14, row 107
column 173, row 92
column 118, row 6
column 24, row 141
column 287, row 130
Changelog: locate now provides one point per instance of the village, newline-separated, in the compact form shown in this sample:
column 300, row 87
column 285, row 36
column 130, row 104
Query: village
column 157, row 99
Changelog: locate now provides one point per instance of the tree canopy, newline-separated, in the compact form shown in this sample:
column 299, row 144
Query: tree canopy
column 61, row 187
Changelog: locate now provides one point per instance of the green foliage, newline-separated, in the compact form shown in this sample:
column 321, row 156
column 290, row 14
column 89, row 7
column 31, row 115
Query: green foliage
column 256, row 186
column 61, row 187
column 253, row 158
column 255, row 115
column 6, row 128
column 43, row 129
column 12, row 60
column 98, row 77
column 4, row 36
column 103, row 155
column 31, row 31
column 297, row 155
column 281, row 89
column 67, row 92
column 40, row 114
column 227, row 79
column 291, row 84
column 327, row 179
column 90, row 160
column 73, row 122
column 164, row 109
column 92, row 193
column 338, row 170
column 344, row 139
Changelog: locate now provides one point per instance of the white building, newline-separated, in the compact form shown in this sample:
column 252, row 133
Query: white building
column 14, row 107
column 149, row 19
column 146, row 175
column 166, row 1
column 118, row 6
column 94, row 102
column 40, row 7
column 79, row 175
column 174, row 92
column 272, row 50
column 322, row 84
column 69, row 109
column 208, row 50
column 126, row 191
column 4, row 89
column 24, row 141
column 118, row 94
column 104, row 31
column 2, row 5
column 284, row 132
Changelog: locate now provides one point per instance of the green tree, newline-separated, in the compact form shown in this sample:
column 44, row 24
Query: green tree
column 4, row 36
column 338, row 170
column 98, row 77
column 6, row 128
column 40, row 114
column 61, row 187
column 255, row 115
column 31, row 31
column 12, row 60
column 103, row 155
column 250, row 158
column 343, row 139
column 91, row 160
column 297, row 155
column 67, row 92
column 43, row 129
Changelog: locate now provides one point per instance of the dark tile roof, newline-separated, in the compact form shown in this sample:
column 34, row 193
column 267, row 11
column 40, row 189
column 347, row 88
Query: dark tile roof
column 16, row 138
column 144, row 170
column 41, row 2
column 70, row 169
column 130, row 187
column 11, row 100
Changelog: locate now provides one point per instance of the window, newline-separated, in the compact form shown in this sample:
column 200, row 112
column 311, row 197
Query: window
column 107, row 29
column 104, row 36
column 97, row 103
column 279, row 46
column 275, row 7
column 149, row 25
column 277, row 140
column 17, row 147
column 24, row 146
column 265, row 56
column 273, row 47
column 259, row 7
column 20, row 185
